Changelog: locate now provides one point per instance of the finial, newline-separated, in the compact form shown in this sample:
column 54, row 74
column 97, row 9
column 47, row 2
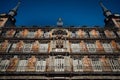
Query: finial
column 105, row 10
column 13, row 12
column 103, row 7
column 59, row 22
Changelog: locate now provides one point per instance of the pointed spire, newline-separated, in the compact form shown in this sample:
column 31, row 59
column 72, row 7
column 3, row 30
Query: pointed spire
column 105, row 10
column 13, row 12
column 59, row 22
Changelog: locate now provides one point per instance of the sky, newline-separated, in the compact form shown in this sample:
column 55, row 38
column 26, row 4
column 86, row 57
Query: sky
column 73, row 12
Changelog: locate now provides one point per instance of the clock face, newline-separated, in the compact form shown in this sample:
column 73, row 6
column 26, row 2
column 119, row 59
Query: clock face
column 3, row 21
column 116, row 22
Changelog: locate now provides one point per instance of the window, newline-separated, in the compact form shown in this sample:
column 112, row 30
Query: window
column 2, row 21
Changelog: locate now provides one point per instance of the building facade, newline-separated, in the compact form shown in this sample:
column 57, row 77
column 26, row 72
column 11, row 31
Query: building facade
column 59, row 53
